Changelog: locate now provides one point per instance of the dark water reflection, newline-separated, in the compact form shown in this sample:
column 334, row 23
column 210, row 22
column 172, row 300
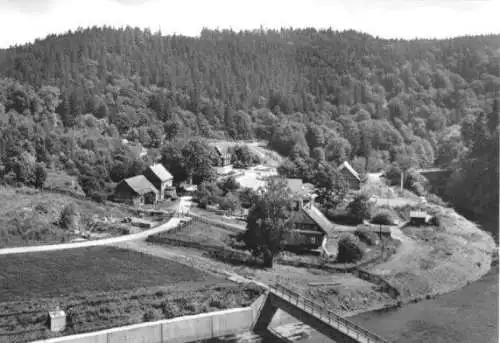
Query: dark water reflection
column 466, row 315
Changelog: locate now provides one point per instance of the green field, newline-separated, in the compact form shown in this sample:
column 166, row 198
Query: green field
column 104, row 287
column 95, row 269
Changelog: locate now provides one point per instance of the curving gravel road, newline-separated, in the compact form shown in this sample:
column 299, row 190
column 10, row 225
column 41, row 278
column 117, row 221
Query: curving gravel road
column 107, row 241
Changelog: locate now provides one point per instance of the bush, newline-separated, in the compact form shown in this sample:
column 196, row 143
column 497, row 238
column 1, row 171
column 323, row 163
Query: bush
column 348, row 250
column 151, row 315
column 433, row 198
column 382, row 218
column 42, row 208
column 359, row 208
column 367, row 237
column 69, row 217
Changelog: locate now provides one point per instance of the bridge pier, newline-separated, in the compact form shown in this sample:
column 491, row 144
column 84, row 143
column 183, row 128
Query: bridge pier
column 327, row 323
column 265, row 316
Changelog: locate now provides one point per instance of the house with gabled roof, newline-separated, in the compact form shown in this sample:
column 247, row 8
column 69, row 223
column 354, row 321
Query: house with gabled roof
column 309, row 227
column 350, row 175
column 161, row 179
column 136, row 190
column 222, row 150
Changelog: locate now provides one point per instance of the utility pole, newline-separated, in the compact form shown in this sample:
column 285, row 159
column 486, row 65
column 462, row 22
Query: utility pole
column 381, row 242
column 402, row 178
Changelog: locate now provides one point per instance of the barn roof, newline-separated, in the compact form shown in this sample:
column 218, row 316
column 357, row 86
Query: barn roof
column 418, row 214
column 140, row 185
column 347, row 166
column 160, row 171
column 319, row 218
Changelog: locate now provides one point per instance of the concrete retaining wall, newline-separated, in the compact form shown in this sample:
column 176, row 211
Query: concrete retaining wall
column 177, row 330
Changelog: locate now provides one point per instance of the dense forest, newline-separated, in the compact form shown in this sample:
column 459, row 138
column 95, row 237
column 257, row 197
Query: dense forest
column 318, row 97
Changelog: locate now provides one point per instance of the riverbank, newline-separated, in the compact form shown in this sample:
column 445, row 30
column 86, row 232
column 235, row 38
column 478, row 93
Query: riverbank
column 443, row 259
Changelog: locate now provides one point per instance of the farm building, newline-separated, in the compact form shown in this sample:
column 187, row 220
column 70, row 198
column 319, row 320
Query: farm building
column 222, row 151
column 161, row 179
column 310, row 227
column 418, row 218
column 136, row 190
column 351, row 176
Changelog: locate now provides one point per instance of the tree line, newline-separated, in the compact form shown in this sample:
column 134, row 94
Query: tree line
column 318, row 96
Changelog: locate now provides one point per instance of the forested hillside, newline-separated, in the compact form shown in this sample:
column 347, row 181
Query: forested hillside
column 318, row 97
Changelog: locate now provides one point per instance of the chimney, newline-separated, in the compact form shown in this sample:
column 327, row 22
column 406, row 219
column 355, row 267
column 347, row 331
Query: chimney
column 300, row 203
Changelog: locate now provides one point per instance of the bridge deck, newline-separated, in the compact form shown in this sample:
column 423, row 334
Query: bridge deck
column 340, row 324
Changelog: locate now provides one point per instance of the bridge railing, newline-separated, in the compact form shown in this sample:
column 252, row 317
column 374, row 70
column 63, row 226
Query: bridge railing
column 344, row 325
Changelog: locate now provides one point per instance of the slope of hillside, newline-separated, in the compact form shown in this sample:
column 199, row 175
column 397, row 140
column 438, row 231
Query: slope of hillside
column 319, row 97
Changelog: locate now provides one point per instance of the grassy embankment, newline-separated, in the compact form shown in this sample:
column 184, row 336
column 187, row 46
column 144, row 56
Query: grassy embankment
column 433, row 259
column 104, row 287
column 30, row 217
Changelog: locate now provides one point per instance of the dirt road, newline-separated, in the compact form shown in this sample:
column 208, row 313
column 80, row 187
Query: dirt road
column 108, row 241
column 404, row 256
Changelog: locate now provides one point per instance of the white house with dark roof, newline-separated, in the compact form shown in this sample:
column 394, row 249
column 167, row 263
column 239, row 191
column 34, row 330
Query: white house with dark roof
column 350, row 175
column 161, row 179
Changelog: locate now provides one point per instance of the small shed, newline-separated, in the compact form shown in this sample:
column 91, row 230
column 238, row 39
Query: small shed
column 57, row 320
column 418, row 218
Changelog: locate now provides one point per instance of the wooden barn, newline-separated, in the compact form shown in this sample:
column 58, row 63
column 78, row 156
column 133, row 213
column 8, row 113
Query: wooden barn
column 351, row 176
column 161, row 179
column 136, row 191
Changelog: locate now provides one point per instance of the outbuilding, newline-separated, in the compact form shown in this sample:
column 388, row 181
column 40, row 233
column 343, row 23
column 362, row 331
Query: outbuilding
column 418, row 218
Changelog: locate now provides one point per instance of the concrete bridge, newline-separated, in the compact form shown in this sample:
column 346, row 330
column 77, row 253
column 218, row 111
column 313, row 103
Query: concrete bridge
column 314, row 315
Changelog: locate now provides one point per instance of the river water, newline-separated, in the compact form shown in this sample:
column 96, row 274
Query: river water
column 468, row 315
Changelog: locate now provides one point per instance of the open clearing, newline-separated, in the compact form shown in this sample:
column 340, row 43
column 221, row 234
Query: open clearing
column 89, row 270
column 29, row 217
column 255, row 177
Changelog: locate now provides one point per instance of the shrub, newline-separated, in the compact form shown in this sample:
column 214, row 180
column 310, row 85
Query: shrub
column 151, row 315
column 367, row 237
column 69, row 217
column 348, row 250
column 382, row 218
column 169, row 309
column 433, row 198
column 42, row 208
column 359, row 208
